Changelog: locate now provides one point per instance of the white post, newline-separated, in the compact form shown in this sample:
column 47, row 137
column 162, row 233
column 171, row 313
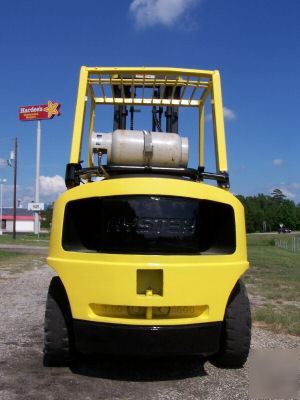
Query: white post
column 1, row 205
column 294, row 244
column 37, row 176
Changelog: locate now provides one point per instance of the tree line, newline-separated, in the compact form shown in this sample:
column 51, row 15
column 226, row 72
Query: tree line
column 269, row 212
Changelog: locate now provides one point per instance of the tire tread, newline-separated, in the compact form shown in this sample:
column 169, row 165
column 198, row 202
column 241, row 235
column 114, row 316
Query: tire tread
column 58, row 344
column 236, row 332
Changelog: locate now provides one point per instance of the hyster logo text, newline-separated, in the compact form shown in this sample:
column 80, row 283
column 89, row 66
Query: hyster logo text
column 157, row 226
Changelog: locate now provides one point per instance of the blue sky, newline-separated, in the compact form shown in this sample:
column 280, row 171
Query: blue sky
column 254, row 44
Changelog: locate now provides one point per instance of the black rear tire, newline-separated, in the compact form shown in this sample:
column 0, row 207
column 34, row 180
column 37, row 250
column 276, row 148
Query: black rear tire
column 236, row 330
column 58, row 333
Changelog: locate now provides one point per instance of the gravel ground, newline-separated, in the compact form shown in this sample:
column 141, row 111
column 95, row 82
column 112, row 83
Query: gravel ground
column 22, row 375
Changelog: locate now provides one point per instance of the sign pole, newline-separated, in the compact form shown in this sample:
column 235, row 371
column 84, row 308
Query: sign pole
column 37, row 176
column 15, row 188
column 37, row 113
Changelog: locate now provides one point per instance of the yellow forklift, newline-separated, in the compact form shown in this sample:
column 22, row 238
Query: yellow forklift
column 148, row 257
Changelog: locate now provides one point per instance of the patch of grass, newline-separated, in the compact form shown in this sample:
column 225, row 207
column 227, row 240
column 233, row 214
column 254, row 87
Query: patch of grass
column 26, row 239
column 261, row 239
column 286, row 319
column 5, row 254
column 274, row 279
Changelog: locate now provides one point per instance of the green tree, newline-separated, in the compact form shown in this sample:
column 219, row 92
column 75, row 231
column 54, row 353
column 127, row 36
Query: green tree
column 278, row 195
column 273, row 210
column 47, row 216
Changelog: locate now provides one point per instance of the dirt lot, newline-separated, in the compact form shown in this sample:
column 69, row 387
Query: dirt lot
column 23, row 287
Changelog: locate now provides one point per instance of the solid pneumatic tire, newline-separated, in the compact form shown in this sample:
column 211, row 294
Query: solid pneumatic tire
column 236, row 331
column 58, row 335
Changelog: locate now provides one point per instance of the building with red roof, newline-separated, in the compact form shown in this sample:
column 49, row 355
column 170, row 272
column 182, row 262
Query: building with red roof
column 24, row 220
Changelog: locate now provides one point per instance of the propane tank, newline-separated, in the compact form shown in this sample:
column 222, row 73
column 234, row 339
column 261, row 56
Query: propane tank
column 141, row 148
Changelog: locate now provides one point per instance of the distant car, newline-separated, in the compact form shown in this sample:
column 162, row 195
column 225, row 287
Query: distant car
column 284, row 230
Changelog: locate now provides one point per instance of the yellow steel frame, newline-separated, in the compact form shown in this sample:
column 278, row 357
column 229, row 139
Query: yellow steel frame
column 197, row 86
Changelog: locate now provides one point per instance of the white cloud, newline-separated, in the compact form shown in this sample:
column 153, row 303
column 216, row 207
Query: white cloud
column 277, row 161
column 290, row 190
column 3, row 163
column 288, row 193
column 286, row 190
column 159, row 12
column 229, row 114
column 24, row 194
column 52, row 186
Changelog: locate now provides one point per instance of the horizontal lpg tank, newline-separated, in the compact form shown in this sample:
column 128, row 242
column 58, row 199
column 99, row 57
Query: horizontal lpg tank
column 140, row 148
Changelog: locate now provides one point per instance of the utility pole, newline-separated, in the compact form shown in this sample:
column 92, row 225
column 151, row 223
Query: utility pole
column 37, row 177
column 2, row 181
column 15, row 187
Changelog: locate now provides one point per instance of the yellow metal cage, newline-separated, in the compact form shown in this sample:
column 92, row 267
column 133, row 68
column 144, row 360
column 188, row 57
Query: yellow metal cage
column 97, row 85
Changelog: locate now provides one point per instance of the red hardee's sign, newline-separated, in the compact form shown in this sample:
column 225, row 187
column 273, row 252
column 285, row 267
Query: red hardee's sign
column 41, row 111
